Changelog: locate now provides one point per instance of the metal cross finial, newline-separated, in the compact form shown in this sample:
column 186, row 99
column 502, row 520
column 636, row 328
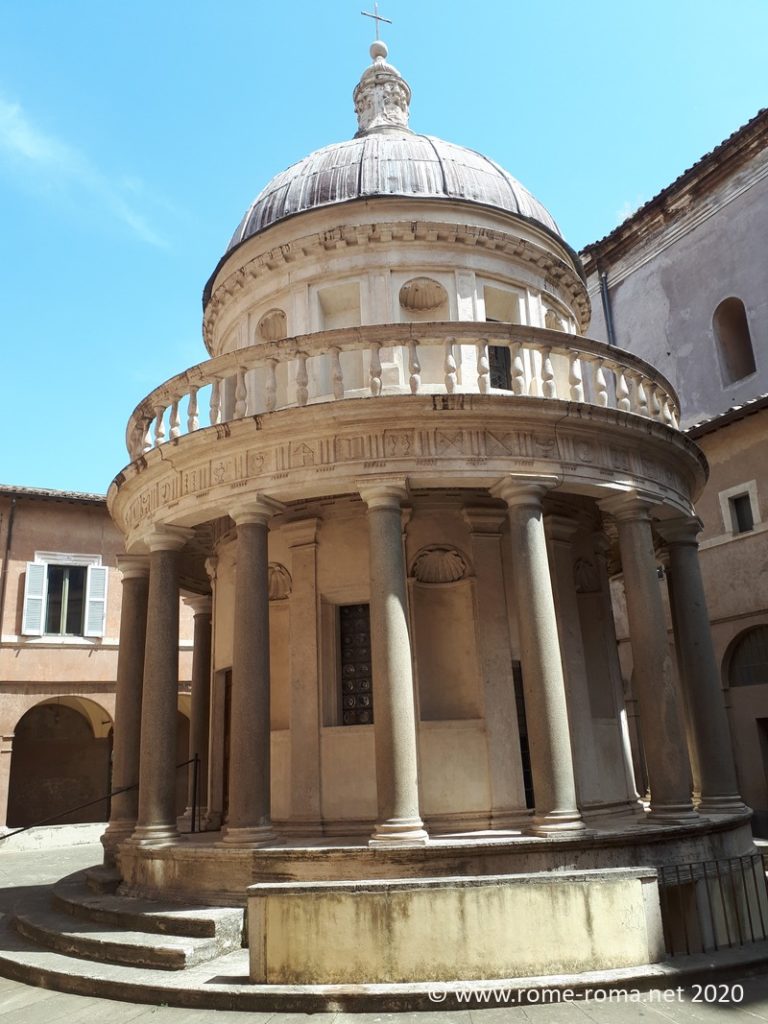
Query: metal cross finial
column 376, row 17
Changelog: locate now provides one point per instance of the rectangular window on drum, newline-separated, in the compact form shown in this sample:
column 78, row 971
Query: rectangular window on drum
column 356, row 682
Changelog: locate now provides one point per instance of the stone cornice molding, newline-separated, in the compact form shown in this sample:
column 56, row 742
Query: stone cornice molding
column 300, row 533
column 560, row 278
column 132, row 567
column 484, row 522
column 200, row 604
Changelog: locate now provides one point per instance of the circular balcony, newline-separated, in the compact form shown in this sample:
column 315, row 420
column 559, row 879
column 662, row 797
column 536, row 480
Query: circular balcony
column 454, row 404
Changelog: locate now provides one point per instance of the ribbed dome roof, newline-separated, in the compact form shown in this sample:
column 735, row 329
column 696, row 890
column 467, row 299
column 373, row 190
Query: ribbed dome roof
column 389, row 162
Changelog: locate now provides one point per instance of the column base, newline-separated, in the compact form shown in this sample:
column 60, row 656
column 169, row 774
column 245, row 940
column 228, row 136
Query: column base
column 557, row 823
column 400, row 832
column 723, row 805
column 257, row 835
column 117, row 832
column 672, row 814
column 154, row 835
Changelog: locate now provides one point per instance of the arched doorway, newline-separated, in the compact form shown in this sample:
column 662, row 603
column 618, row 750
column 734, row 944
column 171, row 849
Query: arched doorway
column 61, row 759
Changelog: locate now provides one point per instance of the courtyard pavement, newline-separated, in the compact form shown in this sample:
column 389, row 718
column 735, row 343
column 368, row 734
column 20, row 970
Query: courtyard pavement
column 739, row 1001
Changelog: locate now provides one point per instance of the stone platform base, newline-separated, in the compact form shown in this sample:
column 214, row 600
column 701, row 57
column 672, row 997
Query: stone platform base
column 428, row 929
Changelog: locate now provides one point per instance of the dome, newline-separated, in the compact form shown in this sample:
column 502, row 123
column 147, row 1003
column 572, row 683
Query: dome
column 389, row 161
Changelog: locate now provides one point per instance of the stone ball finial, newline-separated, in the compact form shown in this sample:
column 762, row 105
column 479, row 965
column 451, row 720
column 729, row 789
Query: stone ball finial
column 379, row 50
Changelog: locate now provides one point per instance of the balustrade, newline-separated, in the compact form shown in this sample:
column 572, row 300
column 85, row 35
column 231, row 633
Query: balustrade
column 433, row 358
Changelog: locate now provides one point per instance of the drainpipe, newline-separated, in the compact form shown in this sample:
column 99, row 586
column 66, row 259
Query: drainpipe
column 605, row 295
column 6, row 553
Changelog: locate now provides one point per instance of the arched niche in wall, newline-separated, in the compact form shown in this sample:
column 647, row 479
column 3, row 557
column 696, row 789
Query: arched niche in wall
column 273, row 326
column 746, row 661
column 445, row 635
column 734, row 342
column 423, row 298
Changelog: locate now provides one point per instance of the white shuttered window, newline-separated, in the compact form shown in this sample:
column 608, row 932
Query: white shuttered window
column 65, row 595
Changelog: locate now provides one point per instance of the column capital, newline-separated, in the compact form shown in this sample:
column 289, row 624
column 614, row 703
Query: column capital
column 201, row 604
column 301, row 532
column 560, row 528
column 483, row 520
column 523, row 490
column 257, row 508
column 684, row 530
column 629, row 506
column 133, row 567
column 384, row 492
column 168, row 538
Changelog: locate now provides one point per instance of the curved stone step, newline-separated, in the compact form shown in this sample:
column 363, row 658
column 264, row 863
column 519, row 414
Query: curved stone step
column 86, row 940
column 222, row 984
column 75, row 897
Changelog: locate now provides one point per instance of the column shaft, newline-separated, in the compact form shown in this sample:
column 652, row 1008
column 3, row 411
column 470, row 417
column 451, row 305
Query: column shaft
column 710, row 735
column 200, row 699
column 543, row 681
column 394, row 714
column 669, row 773
column 156, row 819
column 249, row 819
column 126, row 746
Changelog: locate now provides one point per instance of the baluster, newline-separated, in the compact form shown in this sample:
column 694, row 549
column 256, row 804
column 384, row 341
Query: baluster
column 548, row 388
column 375, row 370
column 622, row 391
column 302, row 380
column 159, row 426
column 414, row 367
column 483, row 367
column 193, row 421
column 146, row 439
column 517, row 369
column 175, row 420
column 337, row 376
column 654, row 405
column 241, row 395
column 215, row 406
column 270, row 385
column 641, row 397
column 575, row 378
column 601, row 388
column 450, row 367
column 534, row 384
column 674, row 413
column 666, row 410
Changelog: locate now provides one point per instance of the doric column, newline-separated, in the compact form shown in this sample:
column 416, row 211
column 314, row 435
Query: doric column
column 200, row 710
column 394, row 711
column 503, row 737
column 156, row 819
column 543, row 683
column 600, row 546
column 126, row 745
column 301, row 538
column 653, row 678
column 710, row 735
column 6, row 754
column 559, row 531
column 249, row 820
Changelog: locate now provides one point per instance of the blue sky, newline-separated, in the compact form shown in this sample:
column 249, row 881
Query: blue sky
column 134, row 135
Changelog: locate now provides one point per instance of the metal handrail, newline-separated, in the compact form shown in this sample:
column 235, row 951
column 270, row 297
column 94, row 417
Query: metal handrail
column 195, row 760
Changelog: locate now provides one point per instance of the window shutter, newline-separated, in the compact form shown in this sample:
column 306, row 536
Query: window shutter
column 95, row 600
column 33, row 619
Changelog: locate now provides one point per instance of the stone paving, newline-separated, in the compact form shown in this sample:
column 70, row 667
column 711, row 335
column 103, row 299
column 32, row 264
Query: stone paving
column 22, row 1004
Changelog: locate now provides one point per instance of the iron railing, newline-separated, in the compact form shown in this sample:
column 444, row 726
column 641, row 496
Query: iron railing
column 715, row 904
